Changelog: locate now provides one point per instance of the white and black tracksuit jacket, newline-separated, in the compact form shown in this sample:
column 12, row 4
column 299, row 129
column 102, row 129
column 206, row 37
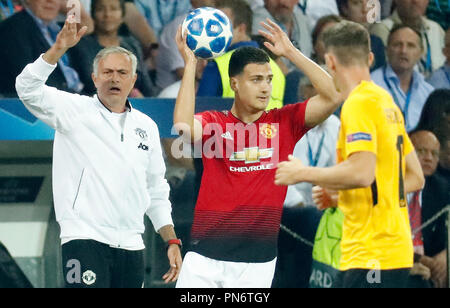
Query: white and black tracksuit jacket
column 107, row 174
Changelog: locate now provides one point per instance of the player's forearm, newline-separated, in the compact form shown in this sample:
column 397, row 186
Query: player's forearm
column 320, row 79
column 183, row 117
column 356, row 172
column 413, row 182
column 339, row 177
column 414, row 179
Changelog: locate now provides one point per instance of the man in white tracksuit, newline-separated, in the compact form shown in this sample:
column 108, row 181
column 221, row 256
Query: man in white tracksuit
column 108, row 169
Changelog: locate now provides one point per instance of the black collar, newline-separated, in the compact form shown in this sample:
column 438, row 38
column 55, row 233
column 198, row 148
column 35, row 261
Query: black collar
column 127, row 105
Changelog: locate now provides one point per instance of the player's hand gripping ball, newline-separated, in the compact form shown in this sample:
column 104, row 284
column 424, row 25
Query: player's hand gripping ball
column 209, row 32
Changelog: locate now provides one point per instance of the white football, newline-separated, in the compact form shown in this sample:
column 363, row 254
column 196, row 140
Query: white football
column 209, row 32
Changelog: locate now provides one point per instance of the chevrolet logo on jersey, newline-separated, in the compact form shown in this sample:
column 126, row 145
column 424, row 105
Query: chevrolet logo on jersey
column 252, row 155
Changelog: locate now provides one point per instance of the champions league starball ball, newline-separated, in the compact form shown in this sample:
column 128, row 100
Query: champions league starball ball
column 209, row 32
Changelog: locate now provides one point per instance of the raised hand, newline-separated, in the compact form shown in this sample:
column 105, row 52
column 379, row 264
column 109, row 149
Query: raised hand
column 66, row 38
column 186, row 53
column 278, row 41
column 69, row 36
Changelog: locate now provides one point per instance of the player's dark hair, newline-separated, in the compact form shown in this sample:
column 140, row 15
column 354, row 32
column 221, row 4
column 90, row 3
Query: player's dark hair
column 398, row 27
column 246, row 55
column 349, row 42
column 94, row 7
column 242, row 13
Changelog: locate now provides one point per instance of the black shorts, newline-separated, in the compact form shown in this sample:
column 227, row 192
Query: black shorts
column 364, row 278
column 91, row 264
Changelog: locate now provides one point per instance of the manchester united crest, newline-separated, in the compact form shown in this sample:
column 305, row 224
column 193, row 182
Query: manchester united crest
column 141, row 133
column 269, row 131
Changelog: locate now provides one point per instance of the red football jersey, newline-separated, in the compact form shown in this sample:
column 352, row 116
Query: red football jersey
column 238, row 211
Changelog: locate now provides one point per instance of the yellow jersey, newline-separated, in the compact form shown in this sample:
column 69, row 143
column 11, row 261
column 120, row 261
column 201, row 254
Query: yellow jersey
column 376, row 231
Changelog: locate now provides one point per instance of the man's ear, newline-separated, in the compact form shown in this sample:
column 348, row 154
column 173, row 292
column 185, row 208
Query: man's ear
column 371, row 59
column 94, row 78
column 234, row 84
column 330, row 61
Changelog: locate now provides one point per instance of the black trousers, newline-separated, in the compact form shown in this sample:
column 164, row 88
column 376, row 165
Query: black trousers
column 91, row 264
column 363, row 278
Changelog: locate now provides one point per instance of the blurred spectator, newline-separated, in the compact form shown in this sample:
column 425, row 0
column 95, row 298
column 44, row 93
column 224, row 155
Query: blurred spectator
column 357, row 11
column 172, row 90
column 439, row 11
column 354, row 10
column 386, row 8
column 288, row 15
column 322, row 24
column 440, row 79
column 292, row 94
column 444, row 156
column 215, row 80
column 313, row 9
column 412, row 13
column 435, row 112
column 254, row 4
column 161, row 12
column 317, row 9
column 317, row 148
column 423, row 206
column 427, row 148
column 407, row 86
column 169, row 63
column 305, row 89
column 108, row 17
column 27, row 34
column 135, row 23
column 9, row 7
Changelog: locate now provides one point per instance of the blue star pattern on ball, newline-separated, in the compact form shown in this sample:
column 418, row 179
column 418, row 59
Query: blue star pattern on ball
column 209, row 32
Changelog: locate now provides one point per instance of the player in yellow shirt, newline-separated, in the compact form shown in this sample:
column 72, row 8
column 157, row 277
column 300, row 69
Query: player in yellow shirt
column 377, row 166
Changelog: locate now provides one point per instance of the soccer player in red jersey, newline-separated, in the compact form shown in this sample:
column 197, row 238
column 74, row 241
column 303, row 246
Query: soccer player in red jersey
column 238, row 211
